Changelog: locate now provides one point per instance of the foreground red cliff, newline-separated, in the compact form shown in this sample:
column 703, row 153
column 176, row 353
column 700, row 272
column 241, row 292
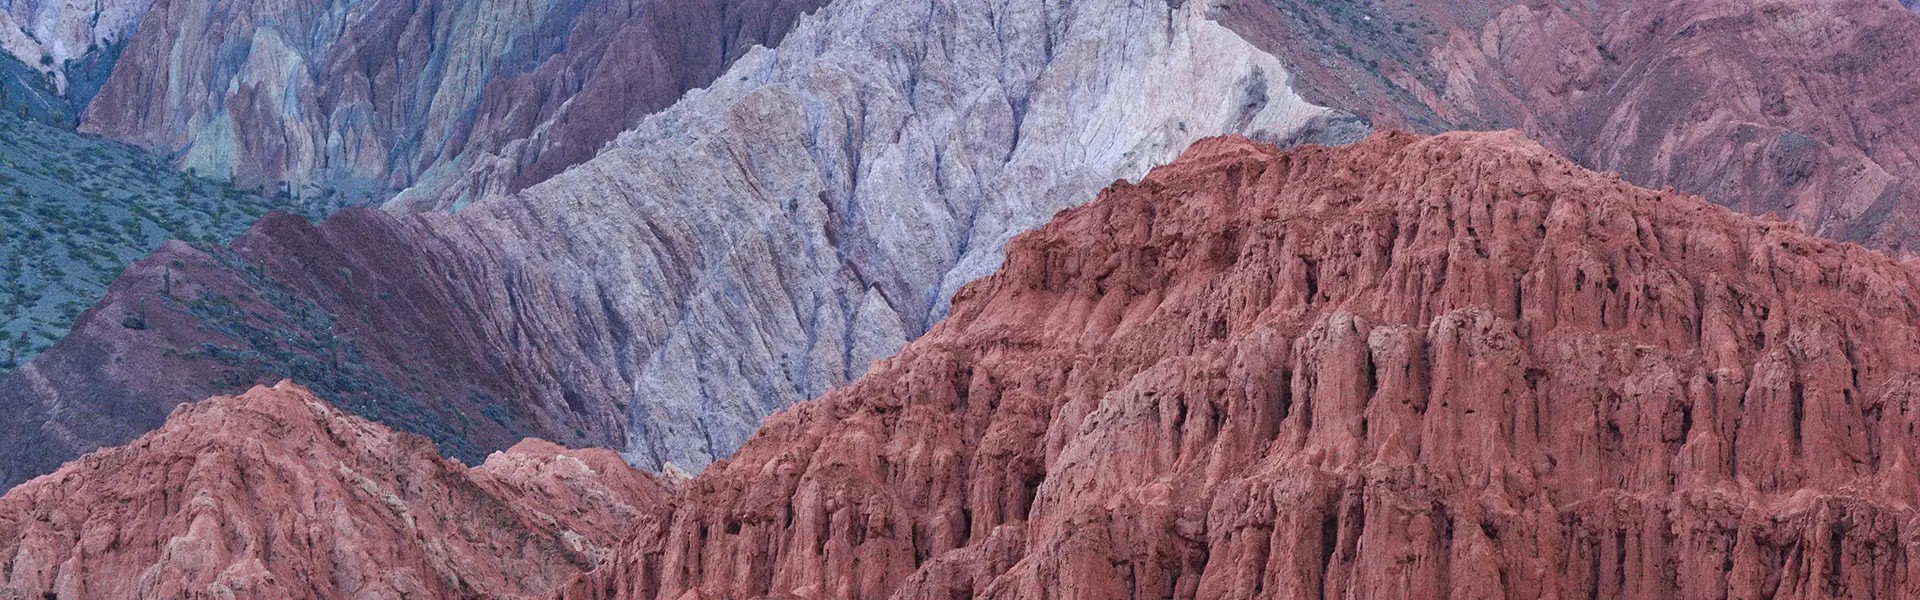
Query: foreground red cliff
column 1446, row 367
column 275, row 494
column 1449, row 367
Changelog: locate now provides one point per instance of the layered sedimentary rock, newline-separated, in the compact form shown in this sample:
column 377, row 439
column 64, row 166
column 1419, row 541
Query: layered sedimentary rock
column 1799, row 108
column 759, row 243
column 630, row 59
column 355, row 99
column 1449, row 367
column 276, row 494
column 50, row 34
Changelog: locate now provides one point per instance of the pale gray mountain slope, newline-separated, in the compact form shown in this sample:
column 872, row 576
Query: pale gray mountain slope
column 835, row 192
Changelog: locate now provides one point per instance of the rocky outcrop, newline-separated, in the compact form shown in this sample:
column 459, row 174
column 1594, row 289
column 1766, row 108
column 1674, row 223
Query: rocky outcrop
column 351, row 100
column 1796, row 108
column 275, row 494
column 757, row 244
column 1448, row 367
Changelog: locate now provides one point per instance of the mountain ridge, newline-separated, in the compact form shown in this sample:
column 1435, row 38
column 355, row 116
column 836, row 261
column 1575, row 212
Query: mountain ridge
column 759, row 243
column 1457, row 365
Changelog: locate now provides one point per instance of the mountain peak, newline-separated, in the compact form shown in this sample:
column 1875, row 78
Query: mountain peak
column 1455, row 361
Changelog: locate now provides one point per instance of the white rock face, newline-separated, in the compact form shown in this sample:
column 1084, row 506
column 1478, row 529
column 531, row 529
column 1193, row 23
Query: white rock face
column 45, row 34
column 815, row 208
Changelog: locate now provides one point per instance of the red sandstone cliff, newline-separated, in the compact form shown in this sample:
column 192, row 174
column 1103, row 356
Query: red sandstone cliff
column 275, row 494
column 1449, row 367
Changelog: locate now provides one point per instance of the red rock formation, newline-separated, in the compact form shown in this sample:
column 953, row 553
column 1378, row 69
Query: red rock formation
column 1448, row 367
column 275, row 494
column 1798, row 107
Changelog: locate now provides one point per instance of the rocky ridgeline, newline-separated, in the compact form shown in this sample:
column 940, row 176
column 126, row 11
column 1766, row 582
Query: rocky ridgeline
column 1453, row 366
column 1448, row 367
column 758, row 243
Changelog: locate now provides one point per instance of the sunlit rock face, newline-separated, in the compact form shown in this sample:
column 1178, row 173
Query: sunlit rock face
column 1797, row 108
column 758, row 243
column 357, row 99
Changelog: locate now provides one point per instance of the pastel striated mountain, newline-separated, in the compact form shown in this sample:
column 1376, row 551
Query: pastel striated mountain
column 1446, row 367
column 276, row 494
column 357, row 99
column 1802, row 108
column 758, row 243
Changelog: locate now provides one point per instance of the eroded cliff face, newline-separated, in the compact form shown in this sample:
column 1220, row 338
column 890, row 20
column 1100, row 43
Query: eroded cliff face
column 1448, row 367
column 357, row 99
column 275, row 494
column 1796, row 108
column 48, row 34
column 757, row 244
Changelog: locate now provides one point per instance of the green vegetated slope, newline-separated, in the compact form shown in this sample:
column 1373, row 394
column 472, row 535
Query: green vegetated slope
column 76, row 209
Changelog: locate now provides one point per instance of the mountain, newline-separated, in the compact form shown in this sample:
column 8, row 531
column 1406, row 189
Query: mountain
column 75, row 210
column 1456, row 366
column 52, row 38
column 359, row 99
column 1451, row 366
column 756, row 244
column 275, row 494
column 1798, row 108
column 629, row 60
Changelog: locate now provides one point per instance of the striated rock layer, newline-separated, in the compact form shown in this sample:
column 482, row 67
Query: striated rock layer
column 757, row 244
column 1796, row 107
column 1448, row 367
column 275, row 494
column 631, row 58
column 50, row 35
column 355, row 99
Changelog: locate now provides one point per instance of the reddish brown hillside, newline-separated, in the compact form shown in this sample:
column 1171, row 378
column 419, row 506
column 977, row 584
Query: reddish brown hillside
column 1439, row 367
column 275, row 494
